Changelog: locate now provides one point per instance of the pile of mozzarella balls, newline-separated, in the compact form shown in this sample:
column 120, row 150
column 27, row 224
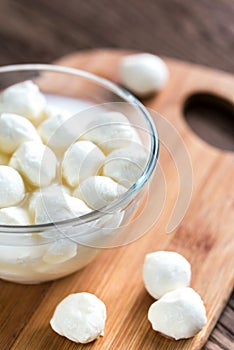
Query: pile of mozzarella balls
column 179, row 311
column 47, row 161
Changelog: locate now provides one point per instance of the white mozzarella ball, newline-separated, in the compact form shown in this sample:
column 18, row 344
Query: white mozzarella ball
column 80, row 317
column 36, row 162
column 81, row 160
column 55, row 205
column 98, row 191
column 59, row 132
column 14, row 216
column 60, row 251
column 165, row 271
column 143, row 74
column 52, row 190
column 179, row 314
column 11, row 187
column 49, row 209
column 22, row 255
column 103, row 232
column 51, row 111
column 110, row 130
column 24, row 99
column 125, row 165
column 14, row 130
column 60, row 265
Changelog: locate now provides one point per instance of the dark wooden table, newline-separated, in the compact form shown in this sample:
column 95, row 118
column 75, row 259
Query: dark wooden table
column 197, row 31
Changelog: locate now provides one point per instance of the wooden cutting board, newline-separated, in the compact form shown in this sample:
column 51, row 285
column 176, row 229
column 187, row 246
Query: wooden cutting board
column 204, row 237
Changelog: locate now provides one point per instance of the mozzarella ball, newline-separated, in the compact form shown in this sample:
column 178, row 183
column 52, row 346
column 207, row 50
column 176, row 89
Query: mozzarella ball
column 24, row 99
column 81, row 160
column 80, row 317
column 179, row 314
column 11, row 187
column 51, row 209
column 143, row 74
column 51, row 111
column 14, row 130
column 165, row 271
column 54, row 205
column 14, row 216
column 125, row 165
column 57, row 267
column 36, row 162
column 59, row 132
column 60, row 251
column 98, row 191
column 52, row 190
column 24, row 256
column 103, row 232
column 110, row 130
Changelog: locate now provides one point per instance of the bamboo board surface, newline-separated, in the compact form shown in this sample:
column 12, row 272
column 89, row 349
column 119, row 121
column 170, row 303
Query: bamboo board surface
column 204, row 237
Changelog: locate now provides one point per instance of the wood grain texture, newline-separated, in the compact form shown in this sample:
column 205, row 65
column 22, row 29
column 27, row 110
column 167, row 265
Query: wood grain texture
column 205, row 237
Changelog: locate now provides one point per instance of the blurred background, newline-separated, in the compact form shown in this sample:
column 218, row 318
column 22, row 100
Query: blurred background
column 43, row 30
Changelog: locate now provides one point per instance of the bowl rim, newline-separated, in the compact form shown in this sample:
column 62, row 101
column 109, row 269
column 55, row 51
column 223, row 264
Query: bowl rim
column 126, row 196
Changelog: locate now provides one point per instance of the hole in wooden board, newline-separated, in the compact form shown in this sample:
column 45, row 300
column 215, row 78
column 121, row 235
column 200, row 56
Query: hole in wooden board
column 211, row 118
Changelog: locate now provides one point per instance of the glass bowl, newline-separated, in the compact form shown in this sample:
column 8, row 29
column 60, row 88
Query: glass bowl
column 38, row 253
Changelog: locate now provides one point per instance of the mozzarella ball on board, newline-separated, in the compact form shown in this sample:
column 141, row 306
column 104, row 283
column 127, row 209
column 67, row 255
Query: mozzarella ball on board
column 11, row 187
column 14, row 216
column 14, row 130
column 179, row 314
column 99, row 191
column 125, row 165
column 110, row 130
column 80, row 317
column 143, row 74
column 81, row 160
column 165, row 271
column 36, row 163
column 24, row 99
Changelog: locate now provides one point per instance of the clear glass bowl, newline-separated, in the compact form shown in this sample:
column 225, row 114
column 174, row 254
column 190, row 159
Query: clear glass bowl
column 38, row 253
